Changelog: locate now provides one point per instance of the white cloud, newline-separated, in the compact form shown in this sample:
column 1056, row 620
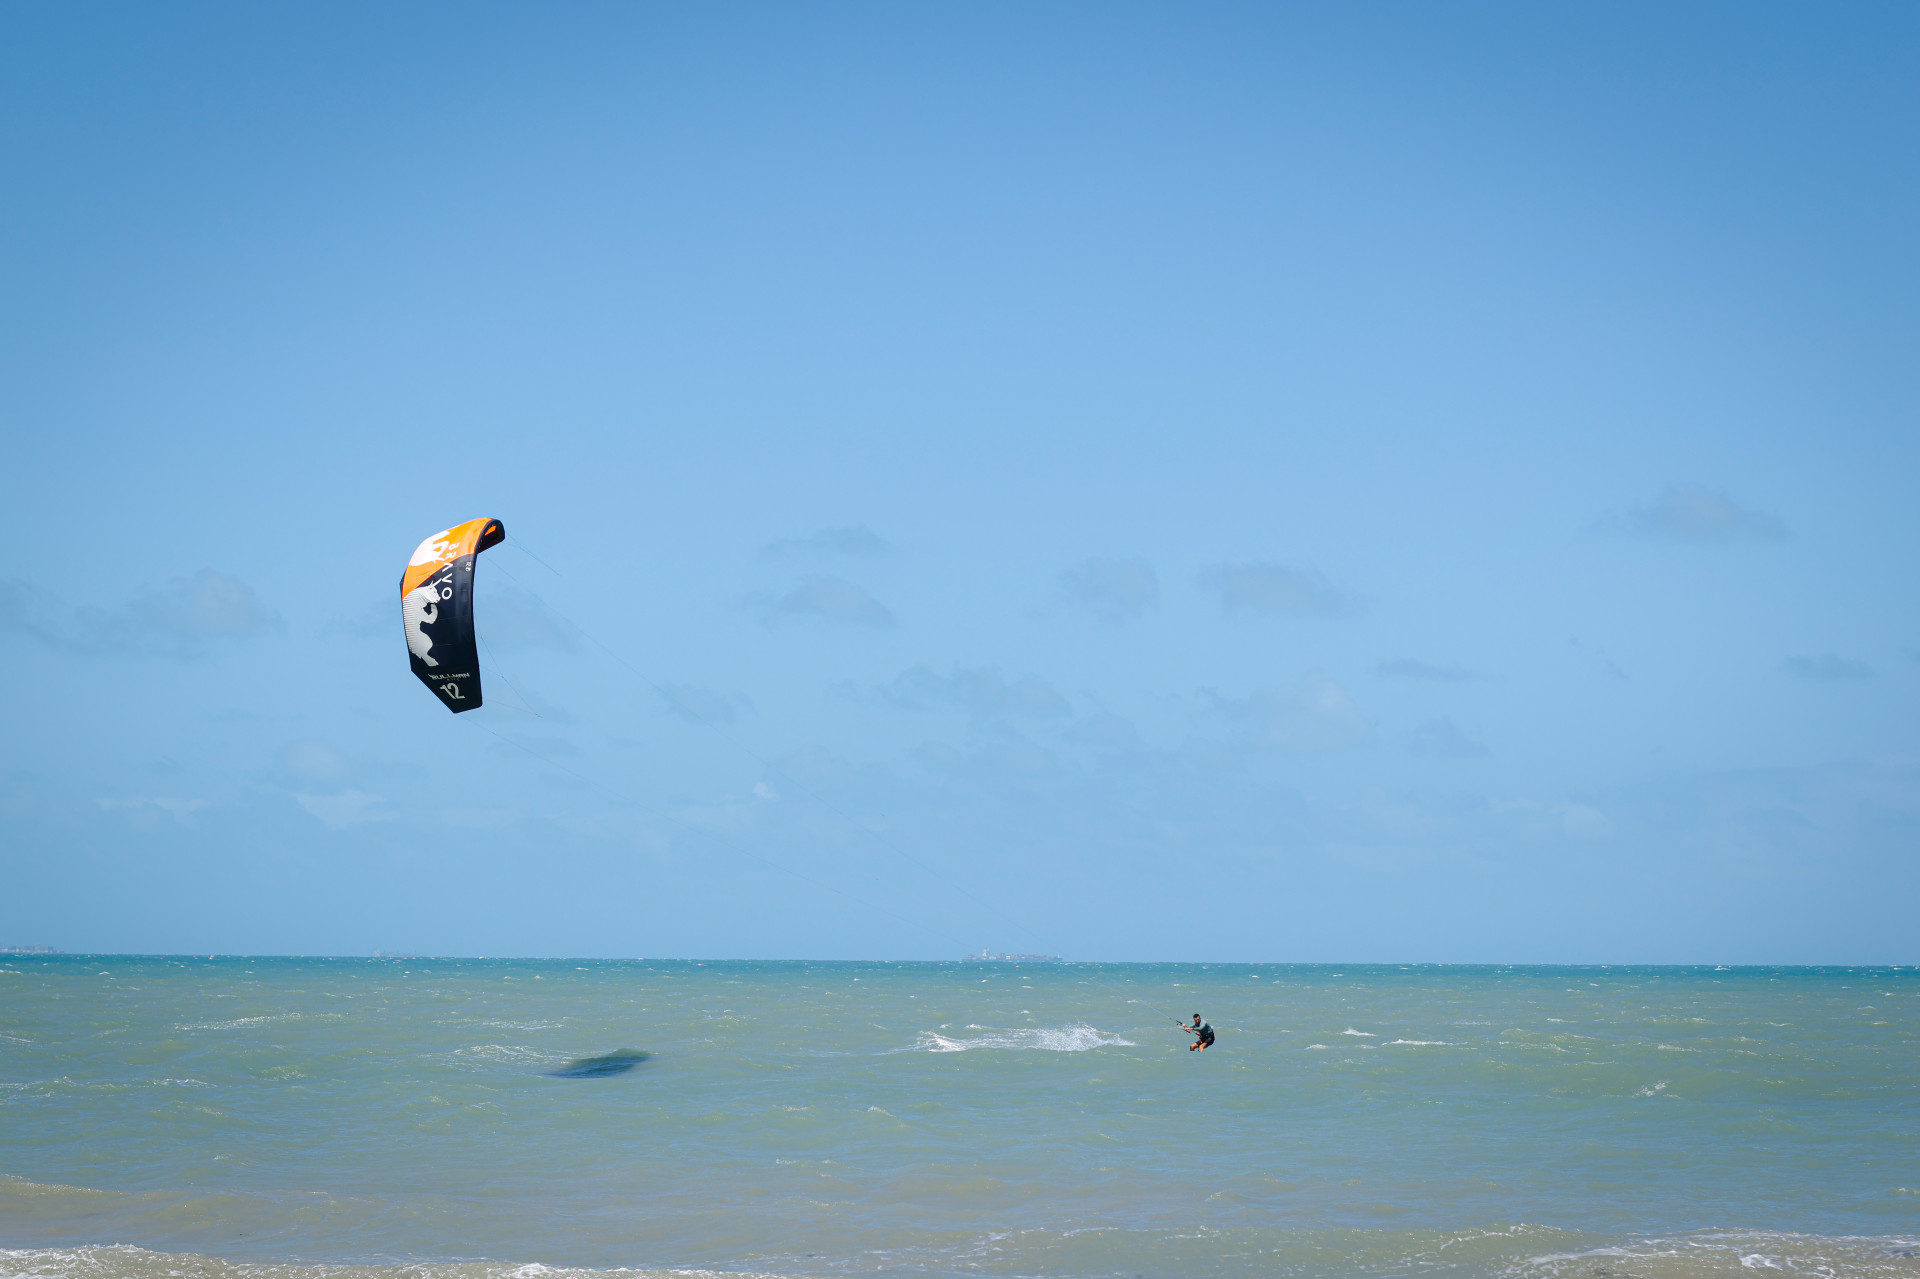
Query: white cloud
column 178, row 620
column 204, row 605
column 1829, row 668
column 346, row 808
column 697, row 705
column 856, row 539
column 315, row 761
column 1414, row 668
column 181, row 810
column 981, row 691
column 835, row 600
column 1105, row 731
column 1274, row 590
column 1689, row 513
column 1309, row 717
column 1442, row 737
column 1113, row 589
column 1583, row 821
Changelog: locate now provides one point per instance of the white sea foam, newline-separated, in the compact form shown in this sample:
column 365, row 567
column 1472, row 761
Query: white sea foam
column 1421, row 1043
column 1364, row 1034
column 1714, row 1252
column 502, row 1053
column 1058, row 1039
column 238, row 1022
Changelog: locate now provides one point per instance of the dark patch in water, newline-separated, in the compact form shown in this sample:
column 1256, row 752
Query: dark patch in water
column 616, row 1063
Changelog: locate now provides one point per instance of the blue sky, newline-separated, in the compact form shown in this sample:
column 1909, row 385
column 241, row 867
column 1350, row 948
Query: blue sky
column 1315, row 483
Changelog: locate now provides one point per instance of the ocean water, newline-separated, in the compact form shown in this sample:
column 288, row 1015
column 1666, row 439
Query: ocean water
column 440, row 1119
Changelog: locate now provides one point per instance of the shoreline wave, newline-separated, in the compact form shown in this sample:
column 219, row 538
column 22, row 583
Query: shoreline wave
column 1512, row 1252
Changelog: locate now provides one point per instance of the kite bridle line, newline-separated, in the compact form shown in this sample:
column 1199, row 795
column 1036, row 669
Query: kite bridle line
column 500, row 670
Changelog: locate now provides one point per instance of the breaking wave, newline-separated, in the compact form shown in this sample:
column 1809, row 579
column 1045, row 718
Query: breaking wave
column 1054, row 1039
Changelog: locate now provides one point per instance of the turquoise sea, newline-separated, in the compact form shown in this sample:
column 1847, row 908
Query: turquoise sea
column 355, row 1118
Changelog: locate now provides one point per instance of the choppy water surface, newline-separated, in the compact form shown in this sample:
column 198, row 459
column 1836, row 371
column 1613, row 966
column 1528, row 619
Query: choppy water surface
column 469, row 1119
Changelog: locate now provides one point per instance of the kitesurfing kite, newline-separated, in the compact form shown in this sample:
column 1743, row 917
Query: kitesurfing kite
column 436, row 606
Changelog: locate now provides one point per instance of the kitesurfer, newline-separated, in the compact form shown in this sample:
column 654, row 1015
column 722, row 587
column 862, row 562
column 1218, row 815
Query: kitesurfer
column 1202, row 1035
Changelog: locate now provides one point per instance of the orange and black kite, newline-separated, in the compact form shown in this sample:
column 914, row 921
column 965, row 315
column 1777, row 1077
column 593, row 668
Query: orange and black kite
column 436, row 605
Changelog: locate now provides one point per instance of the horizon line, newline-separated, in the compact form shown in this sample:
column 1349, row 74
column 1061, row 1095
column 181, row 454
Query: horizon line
column 17, row 953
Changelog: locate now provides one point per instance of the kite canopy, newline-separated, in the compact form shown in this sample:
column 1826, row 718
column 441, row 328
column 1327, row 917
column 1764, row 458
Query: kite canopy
column 436, row 606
